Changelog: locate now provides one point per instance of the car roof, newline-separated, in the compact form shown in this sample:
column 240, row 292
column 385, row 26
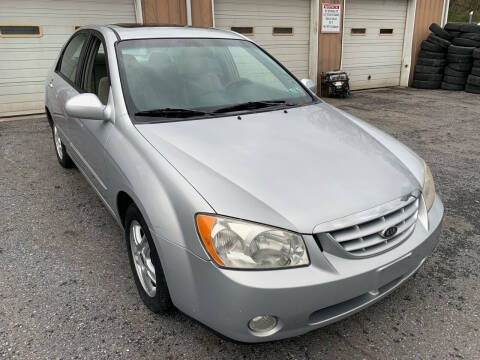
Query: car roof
column 145, row 31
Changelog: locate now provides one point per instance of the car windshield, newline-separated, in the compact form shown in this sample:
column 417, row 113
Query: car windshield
column 167, row 79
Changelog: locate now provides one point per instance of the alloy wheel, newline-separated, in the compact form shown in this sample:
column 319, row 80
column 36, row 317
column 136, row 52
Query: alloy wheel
column 58, row 143
column 142, row 259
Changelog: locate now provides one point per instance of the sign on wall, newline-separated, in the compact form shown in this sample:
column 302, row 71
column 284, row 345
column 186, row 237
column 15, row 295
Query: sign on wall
column 331, row 18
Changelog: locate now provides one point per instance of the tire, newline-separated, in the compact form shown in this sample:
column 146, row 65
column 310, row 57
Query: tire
column 472, row 89
column 427, row 76
column 453, row 26
column 425, row 84
column 465, row 42
column 429, row 69
column 157, row 300
column 473, row 80
column 451, row 72
column 431, row 62
column 476, row 71
column 466, row 67
column 437, row 30
column 455, row 33
column 470, row 28
column 454, row 87
column 455, row 58
column 431, row 55
column 476, row 54
column 471, row 36
column 439, row 41
column 432, row 47
column 460, row 50
column 62, row 156
column 455, row 80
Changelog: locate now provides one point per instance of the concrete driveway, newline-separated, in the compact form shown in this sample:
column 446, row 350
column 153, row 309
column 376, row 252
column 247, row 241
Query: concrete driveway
column 66, row 290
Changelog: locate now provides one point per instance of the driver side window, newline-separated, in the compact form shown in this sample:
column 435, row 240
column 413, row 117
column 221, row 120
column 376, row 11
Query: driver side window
column 96, row 79
column 71, row 57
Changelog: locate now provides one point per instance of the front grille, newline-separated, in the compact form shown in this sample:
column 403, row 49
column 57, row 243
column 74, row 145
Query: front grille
column 365, row 238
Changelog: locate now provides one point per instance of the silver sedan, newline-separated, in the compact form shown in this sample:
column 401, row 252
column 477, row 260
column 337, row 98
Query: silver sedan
column 247, row 202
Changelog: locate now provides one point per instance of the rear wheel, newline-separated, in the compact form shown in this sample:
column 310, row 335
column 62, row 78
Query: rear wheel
column 62, row 155
column 145, row 263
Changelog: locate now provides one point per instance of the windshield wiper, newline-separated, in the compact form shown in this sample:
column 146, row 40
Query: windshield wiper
column 172, row 113
column 251, row 105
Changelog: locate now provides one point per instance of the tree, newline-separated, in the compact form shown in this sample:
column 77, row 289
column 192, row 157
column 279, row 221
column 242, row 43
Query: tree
column 459, row 10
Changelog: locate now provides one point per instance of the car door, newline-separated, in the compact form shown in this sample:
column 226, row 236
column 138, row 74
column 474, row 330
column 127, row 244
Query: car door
column 63, row 83
column 89, row 137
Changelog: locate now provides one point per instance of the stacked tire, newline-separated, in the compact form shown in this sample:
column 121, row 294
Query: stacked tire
column 460, row 60
column 473, row 80
column 432, row 59
column 466, row 34
column 466, row 37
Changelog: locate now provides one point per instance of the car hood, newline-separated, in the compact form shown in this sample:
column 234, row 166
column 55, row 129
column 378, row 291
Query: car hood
column 294, row 170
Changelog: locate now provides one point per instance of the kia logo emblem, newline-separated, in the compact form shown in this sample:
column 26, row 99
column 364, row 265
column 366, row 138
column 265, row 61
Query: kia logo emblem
column 388, row 233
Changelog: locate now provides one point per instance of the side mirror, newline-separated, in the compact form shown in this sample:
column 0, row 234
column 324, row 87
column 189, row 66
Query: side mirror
column 87, row 106
column 310, row 84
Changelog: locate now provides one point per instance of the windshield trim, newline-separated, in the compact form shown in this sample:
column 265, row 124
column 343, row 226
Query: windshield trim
column 153, row 120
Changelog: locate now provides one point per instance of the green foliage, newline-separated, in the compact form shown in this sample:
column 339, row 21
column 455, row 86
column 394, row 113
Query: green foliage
column 459, row 10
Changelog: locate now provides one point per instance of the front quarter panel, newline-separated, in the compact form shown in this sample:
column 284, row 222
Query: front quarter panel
column 167, row 201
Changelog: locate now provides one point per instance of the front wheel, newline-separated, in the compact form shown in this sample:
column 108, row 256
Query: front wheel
column 145, row 263
column 62, row 155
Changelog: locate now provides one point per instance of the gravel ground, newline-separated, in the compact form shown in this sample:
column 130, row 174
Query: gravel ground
column 66, row 290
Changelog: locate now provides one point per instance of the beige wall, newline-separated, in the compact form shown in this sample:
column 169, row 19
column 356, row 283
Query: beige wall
column 329, row 45
column 164, row 12
column 175, row 12
column 427, row 12
column 202, row 13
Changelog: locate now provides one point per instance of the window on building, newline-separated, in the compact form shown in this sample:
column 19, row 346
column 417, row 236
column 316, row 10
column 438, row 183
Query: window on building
column 386, row 31
column 282, row 30
column 358, row 31
column 244, row 30
column 20, row 31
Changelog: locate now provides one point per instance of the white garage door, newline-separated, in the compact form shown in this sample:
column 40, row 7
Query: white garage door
column 24, row 61
column 282, row 27
column 373, row 42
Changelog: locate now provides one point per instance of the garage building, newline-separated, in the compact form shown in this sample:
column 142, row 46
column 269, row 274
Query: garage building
column 375, row 41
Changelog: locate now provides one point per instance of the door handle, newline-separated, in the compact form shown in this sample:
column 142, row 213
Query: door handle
column 51, row 83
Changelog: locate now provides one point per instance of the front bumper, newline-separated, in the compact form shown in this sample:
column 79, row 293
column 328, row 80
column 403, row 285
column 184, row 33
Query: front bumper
column 303, row 299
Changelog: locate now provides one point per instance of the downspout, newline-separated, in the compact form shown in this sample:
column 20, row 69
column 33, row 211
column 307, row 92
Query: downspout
column 188, row 4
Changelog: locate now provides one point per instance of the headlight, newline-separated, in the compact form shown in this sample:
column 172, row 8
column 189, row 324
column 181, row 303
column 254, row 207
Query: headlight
column 241, row 244
column 428, row 187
